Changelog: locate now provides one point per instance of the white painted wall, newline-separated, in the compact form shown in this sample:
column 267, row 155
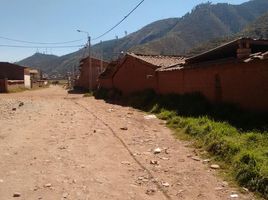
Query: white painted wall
column 27, row 81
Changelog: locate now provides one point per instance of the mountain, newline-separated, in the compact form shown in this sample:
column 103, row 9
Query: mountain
column 52, row 64
column 46, row 62
column 205, row 22
column 257, row 29
column 172, row 36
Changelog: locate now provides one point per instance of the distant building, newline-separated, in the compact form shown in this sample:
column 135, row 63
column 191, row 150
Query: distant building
column 35, row 74
column 15, row 72
column 13, row 76
column 88, row 78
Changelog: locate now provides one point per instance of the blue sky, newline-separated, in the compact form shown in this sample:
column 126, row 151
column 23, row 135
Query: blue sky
column 58, row 20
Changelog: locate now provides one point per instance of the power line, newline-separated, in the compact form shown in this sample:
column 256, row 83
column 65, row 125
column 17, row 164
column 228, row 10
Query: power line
column 30, row 42
column 105, row 33
column 39, row 47
column 66, row 42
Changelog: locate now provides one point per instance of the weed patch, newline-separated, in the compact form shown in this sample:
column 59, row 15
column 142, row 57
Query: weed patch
column 88, row 94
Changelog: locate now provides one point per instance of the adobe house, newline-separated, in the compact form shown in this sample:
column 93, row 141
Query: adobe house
column 88, row 77
column 35, row 74
column 15, row 74
column 135, row 72
column 236, row 72
column 105, row 79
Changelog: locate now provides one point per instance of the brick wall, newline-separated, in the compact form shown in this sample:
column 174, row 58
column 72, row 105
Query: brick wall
column 3, row 85
column 86, row 74
column 135, row 75
column 12, row 72
column 245, row 84
column 106, row 83
column 15, row 85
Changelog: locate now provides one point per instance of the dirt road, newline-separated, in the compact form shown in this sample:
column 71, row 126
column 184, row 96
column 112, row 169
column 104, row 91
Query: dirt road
column 59, row 146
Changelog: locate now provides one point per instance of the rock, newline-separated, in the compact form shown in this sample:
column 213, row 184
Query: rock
column 124, row 128
column 225, row 184
column 218, row 188
column 164, row 158
column 48, row 185
column 142, row 179
column 206, row 161
column 150, row 191
column 62, row 147
column 16, row 194
column 148, row 117
column 157, row 150
column 36, row 188
column 214, row 166
column 165, row 184
column 14, row 109
column 125, row 163
column 65, row 195
column 154, row 162
column 234, row 196
column 21, row 104
column 196, row 158
column 167, row 151
column 179, row 192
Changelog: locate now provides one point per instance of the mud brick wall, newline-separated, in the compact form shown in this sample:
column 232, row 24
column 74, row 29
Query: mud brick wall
column 135, row 75
column 3, row 85
column 86, row 74
column 244, row 84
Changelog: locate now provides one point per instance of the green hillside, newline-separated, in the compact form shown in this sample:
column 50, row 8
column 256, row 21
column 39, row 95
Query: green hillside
column 258, row 30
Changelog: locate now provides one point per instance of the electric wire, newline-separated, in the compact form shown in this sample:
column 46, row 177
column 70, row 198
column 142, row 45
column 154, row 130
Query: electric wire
column 72, row 41
column 40, row 47
column 30, row 42
column 108, row 31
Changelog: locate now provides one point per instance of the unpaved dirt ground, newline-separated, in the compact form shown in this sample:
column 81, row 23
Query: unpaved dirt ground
column 60, row 146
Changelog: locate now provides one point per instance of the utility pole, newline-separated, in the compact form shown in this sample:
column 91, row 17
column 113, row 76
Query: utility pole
column 101, row 56
column 90, row 70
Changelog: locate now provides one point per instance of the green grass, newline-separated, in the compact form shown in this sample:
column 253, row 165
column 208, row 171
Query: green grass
column 88, row 94
column 17, row 89
column 234, row 137
column 245, row 153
